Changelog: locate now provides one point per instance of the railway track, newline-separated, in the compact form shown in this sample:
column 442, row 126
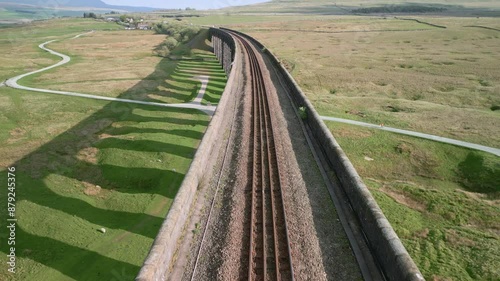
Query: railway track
column 265, row 249
column 246, row 236
column 269, row 254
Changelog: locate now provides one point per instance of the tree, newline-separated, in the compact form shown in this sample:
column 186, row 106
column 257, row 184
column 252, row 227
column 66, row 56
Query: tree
column 162, row 51
column 181, row 32
column 171, row 43
column 166, row 47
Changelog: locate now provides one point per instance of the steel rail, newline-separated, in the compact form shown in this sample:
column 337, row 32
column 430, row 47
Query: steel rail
column 268, row 241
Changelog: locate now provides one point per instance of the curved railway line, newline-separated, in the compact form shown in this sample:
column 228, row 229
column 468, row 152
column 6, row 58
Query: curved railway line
column 249, row 233
column 269, row 251
column 266, row 251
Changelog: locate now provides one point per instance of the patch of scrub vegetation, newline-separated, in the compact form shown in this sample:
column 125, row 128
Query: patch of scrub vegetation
column 178, row 33
column 405, row 66
column 398, row 108
column 417, row 97
column 476, row 175
column 441, row 200
column 484, row 83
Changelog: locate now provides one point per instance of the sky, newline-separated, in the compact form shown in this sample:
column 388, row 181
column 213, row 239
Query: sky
column 176, row 4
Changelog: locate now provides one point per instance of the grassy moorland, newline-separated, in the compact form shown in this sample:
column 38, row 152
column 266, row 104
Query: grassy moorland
column 443, row 201
column 24, row 39
column 224, row 19
column 82, row 164
column 396, row 72
column 103, row 74
column 326, row 7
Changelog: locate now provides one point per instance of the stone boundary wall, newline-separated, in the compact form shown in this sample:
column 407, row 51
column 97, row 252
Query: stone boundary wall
column 422, row 22
column 482, row 26
column 394, row 260
column 160, row 257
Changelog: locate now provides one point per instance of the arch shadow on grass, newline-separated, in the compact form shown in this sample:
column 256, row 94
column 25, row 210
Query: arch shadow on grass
column 119, row 169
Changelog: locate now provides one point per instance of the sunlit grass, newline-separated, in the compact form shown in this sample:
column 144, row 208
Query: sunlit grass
column 84, row 164
column 442, row 200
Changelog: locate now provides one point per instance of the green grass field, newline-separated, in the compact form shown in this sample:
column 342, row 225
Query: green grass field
column 113, row 166
column 24, row 39
column 395, row 72
column 87, row 75
column 82, row 165
column 441, row 200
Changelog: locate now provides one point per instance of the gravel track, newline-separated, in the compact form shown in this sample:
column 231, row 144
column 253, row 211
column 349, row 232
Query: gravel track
column 319, row 246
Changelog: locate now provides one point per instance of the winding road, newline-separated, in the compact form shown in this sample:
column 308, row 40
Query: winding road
column 488, row 149
column 13, row 83
column 210, row 109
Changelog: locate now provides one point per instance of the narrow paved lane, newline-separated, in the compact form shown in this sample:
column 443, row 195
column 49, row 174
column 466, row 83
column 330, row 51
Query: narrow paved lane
column 204, row 83
column 13, row 83
column 488, row 149
column 210, row 110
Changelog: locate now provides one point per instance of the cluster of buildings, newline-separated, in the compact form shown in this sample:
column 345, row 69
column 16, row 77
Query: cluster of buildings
column 130, row 23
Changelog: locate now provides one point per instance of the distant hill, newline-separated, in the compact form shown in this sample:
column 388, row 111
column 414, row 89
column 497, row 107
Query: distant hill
column 489, row 8
column 70, row 3
column 76, row 3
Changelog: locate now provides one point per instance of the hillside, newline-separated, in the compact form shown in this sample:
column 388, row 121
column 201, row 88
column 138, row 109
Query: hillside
column 325, row 7
column 69, row 3
column 73, row 4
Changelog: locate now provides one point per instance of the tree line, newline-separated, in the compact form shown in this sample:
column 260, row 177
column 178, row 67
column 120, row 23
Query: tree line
column 90, row 15
column 177, row 33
